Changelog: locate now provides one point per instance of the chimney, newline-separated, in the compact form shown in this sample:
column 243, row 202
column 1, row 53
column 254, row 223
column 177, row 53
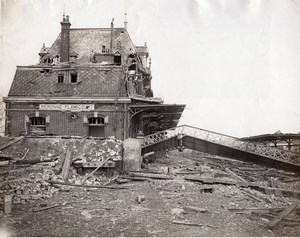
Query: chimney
column 125, row 22
column 65, row 39
column 111, row 35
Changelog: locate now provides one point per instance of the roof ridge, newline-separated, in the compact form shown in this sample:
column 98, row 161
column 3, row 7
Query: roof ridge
column 97, row 28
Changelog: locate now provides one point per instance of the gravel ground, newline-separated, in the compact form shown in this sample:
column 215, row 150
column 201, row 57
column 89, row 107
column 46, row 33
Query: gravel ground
column 102, row 212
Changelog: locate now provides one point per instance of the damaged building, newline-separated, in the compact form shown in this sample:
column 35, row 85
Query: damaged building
column 90, row 82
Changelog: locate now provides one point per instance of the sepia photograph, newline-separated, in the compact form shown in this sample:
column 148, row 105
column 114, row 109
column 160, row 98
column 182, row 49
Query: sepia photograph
column 149, row 118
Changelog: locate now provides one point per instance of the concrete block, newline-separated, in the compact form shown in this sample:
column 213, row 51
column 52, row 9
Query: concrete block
column 7, row 204
column 132, row 159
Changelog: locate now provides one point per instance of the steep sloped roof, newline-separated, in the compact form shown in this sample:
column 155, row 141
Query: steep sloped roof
column 87, row 41
column 100, row 81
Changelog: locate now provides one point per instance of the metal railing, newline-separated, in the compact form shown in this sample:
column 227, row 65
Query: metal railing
column 217, row 138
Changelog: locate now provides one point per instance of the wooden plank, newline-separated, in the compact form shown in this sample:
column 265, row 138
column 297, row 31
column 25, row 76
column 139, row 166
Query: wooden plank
column 283, row 214
column 257, row 210
column 84, row 186
column 216, row 181
column 5, row 157
column 35, row 161
column 133, row 178
column 255, row 196
column 67, row 165
column 234, row 175
column 195, row 209
column 253, row 185
column 45, row 208
column 11, row 142
column 187, row 223
column 86, row 177
column 25, row 154
column 152, row 176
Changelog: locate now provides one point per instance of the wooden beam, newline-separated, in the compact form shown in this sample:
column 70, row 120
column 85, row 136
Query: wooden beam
column 152, row 176
column 86, row 177
column 83, row 186
column 67, row 165
column 283, row 214
column 11, row 142
column 253, row 185
column 234, row 175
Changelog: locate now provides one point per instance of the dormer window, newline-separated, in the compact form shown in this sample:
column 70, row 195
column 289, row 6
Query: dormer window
column 117, row 58
column 60, row 78
column 73, row 77
column 103, row 49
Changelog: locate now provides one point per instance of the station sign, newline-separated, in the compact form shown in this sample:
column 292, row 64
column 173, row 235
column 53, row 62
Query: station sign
column 67, row 107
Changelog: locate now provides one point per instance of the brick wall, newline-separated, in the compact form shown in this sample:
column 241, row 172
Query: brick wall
column 66, row 122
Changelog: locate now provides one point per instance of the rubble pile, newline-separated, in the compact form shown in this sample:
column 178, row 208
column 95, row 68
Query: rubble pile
column 77, row 179
column 31, row 187
column 44, row 163
column 45, row 148
column 98, row 151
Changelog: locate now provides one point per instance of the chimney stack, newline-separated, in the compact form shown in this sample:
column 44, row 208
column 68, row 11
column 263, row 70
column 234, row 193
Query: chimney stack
column 65, row 39
column 125, row 22
column 111, row 35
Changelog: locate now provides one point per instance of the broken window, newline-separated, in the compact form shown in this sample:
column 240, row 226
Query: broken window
column 73, row 77
column 60, row 78
column 37, row 125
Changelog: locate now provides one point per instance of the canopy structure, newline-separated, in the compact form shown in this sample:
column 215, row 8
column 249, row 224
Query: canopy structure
column 288, row 140
column 150, row 118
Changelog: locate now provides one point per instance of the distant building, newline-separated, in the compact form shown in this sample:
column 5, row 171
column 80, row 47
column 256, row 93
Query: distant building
column 90, row 82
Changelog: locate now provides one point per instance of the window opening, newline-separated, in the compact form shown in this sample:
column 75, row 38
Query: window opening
column 103, row 49
column 73, row 77
column 60, row 78
column 96, row 121
column 96, row 127
column 38, row 125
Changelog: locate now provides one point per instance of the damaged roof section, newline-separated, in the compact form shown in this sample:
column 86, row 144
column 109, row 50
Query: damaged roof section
column 43, row 81
column 86, row 42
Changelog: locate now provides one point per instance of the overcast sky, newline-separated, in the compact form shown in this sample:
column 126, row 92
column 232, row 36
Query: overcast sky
column 234, row 63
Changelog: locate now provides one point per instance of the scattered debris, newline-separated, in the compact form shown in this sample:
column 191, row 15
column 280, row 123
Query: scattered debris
column 38, row 180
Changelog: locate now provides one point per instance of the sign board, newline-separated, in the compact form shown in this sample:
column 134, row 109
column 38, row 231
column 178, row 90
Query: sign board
column 67, row 107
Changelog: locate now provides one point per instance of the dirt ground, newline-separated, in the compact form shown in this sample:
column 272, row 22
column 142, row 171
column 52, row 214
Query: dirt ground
column 85, row 212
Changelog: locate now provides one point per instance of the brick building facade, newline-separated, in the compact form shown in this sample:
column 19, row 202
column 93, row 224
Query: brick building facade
column 90, row 82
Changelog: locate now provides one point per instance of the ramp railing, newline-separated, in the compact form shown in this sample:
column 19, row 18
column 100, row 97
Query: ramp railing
column 229, row 141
